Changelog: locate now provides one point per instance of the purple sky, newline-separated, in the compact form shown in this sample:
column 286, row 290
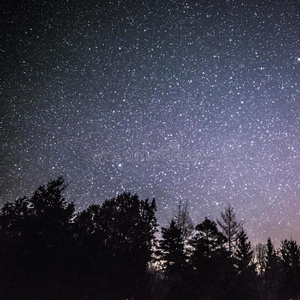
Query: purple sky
column 175, row 100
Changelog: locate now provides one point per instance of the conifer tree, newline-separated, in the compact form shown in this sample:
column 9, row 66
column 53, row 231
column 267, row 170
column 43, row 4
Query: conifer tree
column 171, row 250
column 290, row 257
column 243, row 252
column 272, row 275
column 211, row 263
column 245, row 283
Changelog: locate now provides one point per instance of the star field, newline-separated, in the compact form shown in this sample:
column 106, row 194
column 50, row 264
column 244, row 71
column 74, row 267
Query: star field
column 177, row 100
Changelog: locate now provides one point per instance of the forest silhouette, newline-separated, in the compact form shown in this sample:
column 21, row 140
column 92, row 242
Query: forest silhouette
column 112, row 251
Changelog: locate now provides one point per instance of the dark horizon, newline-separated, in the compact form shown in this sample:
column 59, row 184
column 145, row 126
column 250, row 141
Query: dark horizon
column 175, row 100
column 110, row 251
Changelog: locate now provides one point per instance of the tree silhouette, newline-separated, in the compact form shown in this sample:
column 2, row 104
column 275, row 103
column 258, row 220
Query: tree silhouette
column 290, row 255
column 89, row 252
column 183, row 220
column 51, row 224
column 172, row 259
column 104, row 251
column 171, row 250
column 15, row 239
column 260, row 254
column 260, row 258
column 272, row 275
column 230, row 227
column 128, row 226
column 39, row 230
column 210, row 261
column 243, row 252
column 245, row 281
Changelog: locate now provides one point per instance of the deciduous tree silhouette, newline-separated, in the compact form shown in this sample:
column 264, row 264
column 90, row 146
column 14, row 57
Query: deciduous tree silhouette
column 89, row 252
column 260, row 258
column 37, row 233
column 183, row 220
column 15, row 239
column 127, row 225
column 260, row 254
column 230, row 227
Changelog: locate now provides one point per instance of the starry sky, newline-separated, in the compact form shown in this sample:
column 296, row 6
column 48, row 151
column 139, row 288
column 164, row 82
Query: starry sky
column 192, row 101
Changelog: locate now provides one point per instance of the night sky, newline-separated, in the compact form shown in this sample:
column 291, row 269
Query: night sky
column 177, row 100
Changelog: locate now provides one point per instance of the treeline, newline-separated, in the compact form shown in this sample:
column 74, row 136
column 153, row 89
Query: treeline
column 111, row 251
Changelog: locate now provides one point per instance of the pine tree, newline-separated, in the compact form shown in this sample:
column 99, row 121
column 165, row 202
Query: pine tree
column 245, row 287
column 290, row 256
column 171, row 250
column 211, row 264
column 271, row 257
column 208, row 237
column 272, row 274
column 243, row 252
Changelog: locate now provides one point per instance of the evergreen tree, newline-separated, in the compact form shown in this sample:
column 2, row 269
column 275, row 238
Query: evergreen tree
column 290, row 256
column 272, row 275
column 211, row 264
column 230, row 227
column 243, row 252
column 245, row 281
column 171, row 250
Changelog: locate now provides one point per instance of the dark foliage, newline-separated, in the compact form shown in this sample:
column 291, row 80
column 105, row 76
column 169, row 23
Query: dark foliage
column 290, row 269
column 116, row 238
column 171, row 250
column 272, row 275
column 36, row 234
column 212, row 267
column 245, row 282
column 106, row 252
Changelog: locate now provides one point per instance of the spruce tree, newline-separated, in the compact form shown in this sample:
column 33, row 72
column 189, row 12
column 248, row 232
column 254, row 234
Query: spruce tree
column 272, row 275
column 245, row 284
column 290, row 257
column 243, row 252
column 211, row 263
column 171, row 250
